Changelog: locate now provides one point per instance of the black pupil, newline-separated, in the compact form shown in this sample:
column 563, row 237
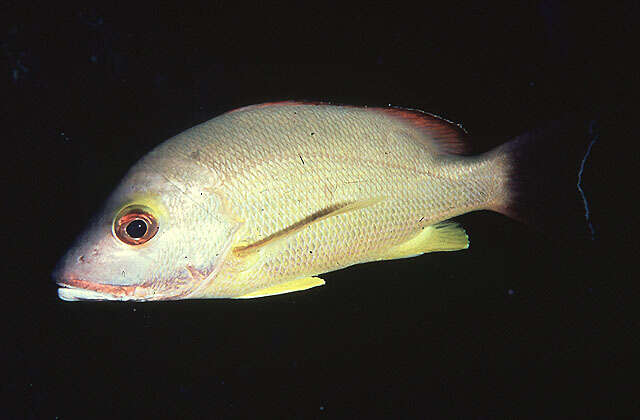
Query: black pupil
column 137, row 228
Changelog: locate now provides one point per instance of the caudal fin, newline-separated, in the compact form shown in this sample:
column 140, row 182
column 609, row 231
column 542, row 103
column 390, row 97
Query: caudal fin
column 545, row 186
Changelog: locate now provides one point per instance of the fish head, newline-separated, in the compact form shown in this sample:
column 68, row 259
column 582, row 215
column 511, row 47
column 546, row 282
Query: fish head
column 162, row 235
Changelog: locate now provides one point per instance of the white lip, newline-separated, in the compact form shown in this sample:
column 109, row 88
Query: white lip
column 74, row 294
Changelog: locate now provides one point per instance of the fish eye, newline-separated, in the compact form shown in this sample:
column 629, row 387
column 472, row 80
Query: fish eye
column 136, row 228
column 135, row 225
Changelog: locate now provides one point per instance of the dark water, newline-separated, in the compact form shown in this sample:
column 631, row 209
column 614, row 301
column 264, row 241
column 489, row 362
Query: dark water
column 517, row 325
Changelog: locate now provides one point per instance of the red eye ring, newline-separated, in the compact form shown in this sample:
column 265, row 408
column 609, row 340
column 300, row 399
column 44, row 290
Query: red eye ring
column 135, row 225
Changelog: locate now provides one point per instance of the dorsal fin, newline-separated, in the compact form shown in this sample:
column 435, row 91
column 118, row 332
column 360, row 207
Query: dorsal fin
column 279, row 103
column 446, row 135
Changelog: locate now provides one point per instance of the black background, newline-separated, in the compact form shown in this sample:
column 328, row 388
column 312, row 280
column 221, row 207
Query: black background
column 518, row 324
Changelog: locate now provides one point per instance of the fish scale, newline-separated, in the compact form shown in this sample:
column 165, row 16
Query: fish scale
column 395, row 169
column 261, row 200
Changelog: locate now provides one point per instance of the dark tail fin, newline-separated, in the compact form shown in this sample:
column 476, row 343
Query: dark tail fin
column 546, row 177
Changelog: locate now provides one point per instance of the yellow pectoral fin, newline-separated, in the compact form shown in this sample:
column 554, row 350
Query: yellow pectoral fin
column 244, row 249
column 443, row 236
column 290, row 286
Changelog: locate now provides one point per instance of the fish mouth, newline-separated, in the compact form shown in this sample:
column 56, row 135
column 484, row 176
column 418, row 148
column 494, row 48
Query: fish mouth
column 73, row 290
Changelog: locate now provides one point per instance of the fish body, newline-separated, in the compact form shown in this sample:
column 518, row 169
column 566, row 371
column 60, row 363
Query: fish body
column 262, row 200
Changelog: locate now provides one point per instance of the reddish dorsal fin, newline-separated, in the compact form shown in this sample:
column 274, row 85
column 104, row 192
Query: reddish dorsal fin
column 278, row 103
column 448, row 136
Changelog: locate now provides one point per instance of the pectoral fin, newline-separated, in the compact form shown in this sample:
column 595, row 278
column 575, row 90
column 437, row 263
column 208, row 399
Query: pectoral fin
column 290, row 286
column 443, row 236
column 243, row 250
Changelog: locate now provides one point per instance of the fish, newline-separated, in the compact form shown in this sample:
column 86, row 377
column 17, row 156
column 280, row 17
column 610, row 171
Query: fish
column 262, row 200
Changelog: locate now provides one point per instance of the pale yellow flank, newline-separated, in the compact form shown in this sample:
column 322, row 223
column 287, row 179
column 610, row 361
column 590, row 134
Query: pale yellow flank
column 287, row 192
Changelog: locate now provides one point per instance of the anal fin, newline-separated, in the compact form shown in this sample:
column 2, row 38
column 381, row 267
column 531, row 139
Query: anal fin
column 443, row 236
column 286, row 287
